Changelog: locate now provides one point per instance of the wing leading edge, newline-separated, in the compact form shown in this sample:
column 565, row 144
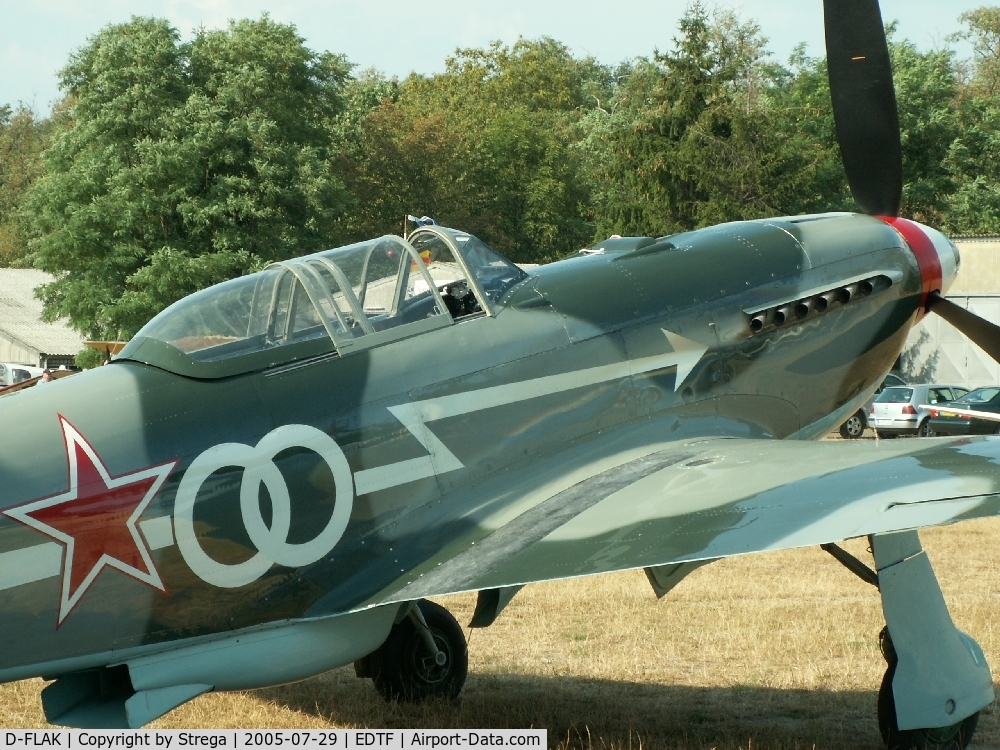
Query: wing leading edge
column 706, row 499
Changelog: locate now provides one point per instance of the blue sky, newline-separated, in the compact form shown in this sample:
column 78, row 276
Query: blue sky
column 398, row 36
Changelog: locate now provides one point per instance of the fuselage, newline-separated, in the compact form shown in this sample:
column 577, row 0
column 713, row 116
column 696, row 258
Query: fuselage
column 394, row 454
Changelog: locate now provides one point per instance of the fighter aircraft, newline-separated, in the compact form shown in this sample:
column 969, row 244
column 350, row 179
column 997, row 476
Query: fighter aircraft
column 275, row 474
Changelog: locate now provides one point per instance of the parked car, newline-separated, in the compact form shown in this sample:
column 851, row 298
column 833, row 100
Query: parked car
column 858, row 421
column 11, row 373
column 899, row 410
column 981, row 399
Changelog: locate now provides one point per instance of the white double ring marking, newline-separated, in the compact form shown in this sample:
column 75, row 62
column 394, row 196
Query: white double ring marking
column 259, row 468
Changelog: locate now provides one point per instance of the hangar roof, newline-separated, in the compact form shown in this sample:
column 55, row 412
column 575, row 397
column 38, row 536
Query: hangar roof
column 21, row 313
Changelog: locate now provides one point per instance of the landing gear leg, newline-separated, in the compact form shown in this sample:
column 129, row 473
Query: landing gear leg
column 425, row 656
column 937, row 679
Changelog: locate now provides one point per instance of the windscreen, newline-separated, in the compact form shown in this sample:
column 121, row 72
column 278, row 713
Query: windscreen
column 895, row 396
column 494, row 273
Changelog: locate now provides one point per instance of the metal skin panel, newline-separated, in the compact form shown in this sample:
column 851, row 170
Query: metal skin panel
column 589, row 379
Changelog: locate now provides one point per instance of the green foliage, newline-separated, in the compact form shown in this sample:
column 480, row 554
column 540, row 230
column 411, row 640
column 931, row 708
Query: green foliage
column 983, row 31
column 487, row 146
column 186, row 164
column 692, row 137
column 804, row 117
column 173, row 165
column 974, row 160
column 88, row 358
column 22, row 140
column 974, row 155
column 926, row 88
column 712, row 131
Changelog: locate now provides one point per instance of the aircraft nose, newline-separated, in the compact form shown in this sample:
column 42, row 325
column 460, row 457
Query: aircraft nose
column 936, row 255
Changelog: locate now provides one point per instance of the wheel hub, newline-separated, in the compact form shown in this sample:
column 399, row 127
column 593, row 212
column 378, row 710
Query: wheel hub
column 430, row 668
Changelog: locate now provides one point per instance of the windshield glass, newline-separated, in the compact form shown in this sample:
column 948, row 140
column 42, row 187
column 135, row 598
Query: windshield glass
column 895, row 396
column 981, row 396
column 491, row 271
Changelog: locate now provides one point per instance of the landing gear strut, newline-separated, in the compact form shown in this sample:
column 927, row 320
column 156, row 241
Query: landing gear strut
column 425, row 656
column 937, row 680
column 954, row 737
column 938, row 673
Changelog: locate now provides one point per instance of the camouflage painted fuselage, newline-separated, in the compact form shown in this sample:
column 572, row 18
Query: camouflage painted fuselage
column 597, row 315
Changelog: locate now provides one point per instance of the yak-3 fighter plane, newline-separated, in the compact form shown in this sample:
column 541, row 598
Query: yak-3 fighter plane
column 276, row 472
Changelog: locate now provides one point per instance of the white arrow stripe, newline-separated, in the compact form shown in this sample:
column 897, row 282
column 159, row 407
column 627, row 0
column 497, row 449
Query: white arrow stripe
column 685, row 356
column 393, row 475
column 159, row 532
column 30, row 564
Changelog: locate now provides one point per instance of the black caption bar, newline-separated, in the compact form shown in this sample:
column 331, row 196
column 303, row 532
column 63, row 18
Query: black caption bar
column 319, row 739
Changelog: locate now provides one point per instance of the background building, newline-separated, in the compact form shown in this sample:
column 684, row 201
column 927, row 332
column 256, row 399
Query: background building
column 935, row 351
column 24, row 338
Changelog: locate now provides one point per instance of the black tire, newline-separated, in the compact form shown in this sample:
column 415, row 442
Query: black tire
column 854, row 427
column 403, row 670
column 924, row 430
column 956, row 737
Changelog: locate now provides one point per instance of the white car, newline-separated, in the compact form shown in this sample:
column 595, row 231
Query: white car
column 896, row 410
column 856, row 424
column 12, row 373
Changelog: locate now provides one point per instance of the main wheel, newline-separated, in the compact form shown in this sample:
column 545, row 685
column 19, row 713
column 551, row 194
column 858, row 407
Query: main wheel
column 925, row 429
column 956, row 737
column 853, row 427
column 404, row 669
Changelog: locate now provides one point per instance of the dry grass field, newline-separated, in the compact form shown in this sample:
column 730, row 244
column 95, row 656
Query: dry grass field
column 760, row 653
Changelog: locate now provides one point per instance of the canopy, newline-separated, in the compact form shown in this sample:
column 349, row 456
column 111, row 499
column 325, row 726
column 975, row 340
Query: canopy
column 338, row 300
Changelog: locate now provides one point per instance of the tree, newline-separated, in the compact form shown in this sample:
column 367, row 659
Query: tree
column 804, row 120
column 186, row 164
column 983, row 31
column 926, row 92
column 974, row 155
column 692, row 138
column 22, row 140
column 486, row 146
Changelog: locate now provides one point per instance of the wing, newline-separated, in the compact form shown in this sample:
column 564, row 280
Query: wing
column 712, row 498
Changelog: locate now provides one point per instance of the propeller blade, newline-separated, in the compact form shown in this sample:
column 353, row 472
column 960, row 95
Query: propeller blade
column 864, row 104
column 981, row 332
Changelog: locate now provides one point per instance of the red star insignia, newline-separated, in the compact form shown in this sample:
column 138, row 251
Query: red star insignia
column 95, row 520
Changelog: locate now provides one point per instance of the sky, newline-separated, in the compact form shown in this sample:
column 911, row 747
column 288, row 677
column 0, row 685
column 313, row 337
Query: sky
column 399, row 36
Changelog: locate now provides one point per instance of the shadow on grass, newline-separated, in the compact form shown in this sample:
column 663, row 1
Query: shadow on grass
column 593, row 713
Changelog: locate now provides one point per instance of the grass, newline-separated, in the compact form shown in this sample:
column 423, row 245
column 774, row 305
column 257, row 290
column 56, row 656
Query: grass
column 774, row 651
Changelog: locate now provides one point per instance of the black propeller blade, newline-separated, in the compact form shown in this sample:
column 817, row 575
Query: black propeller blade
column 981, row 332
column 864, row 110
column 864, row 104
